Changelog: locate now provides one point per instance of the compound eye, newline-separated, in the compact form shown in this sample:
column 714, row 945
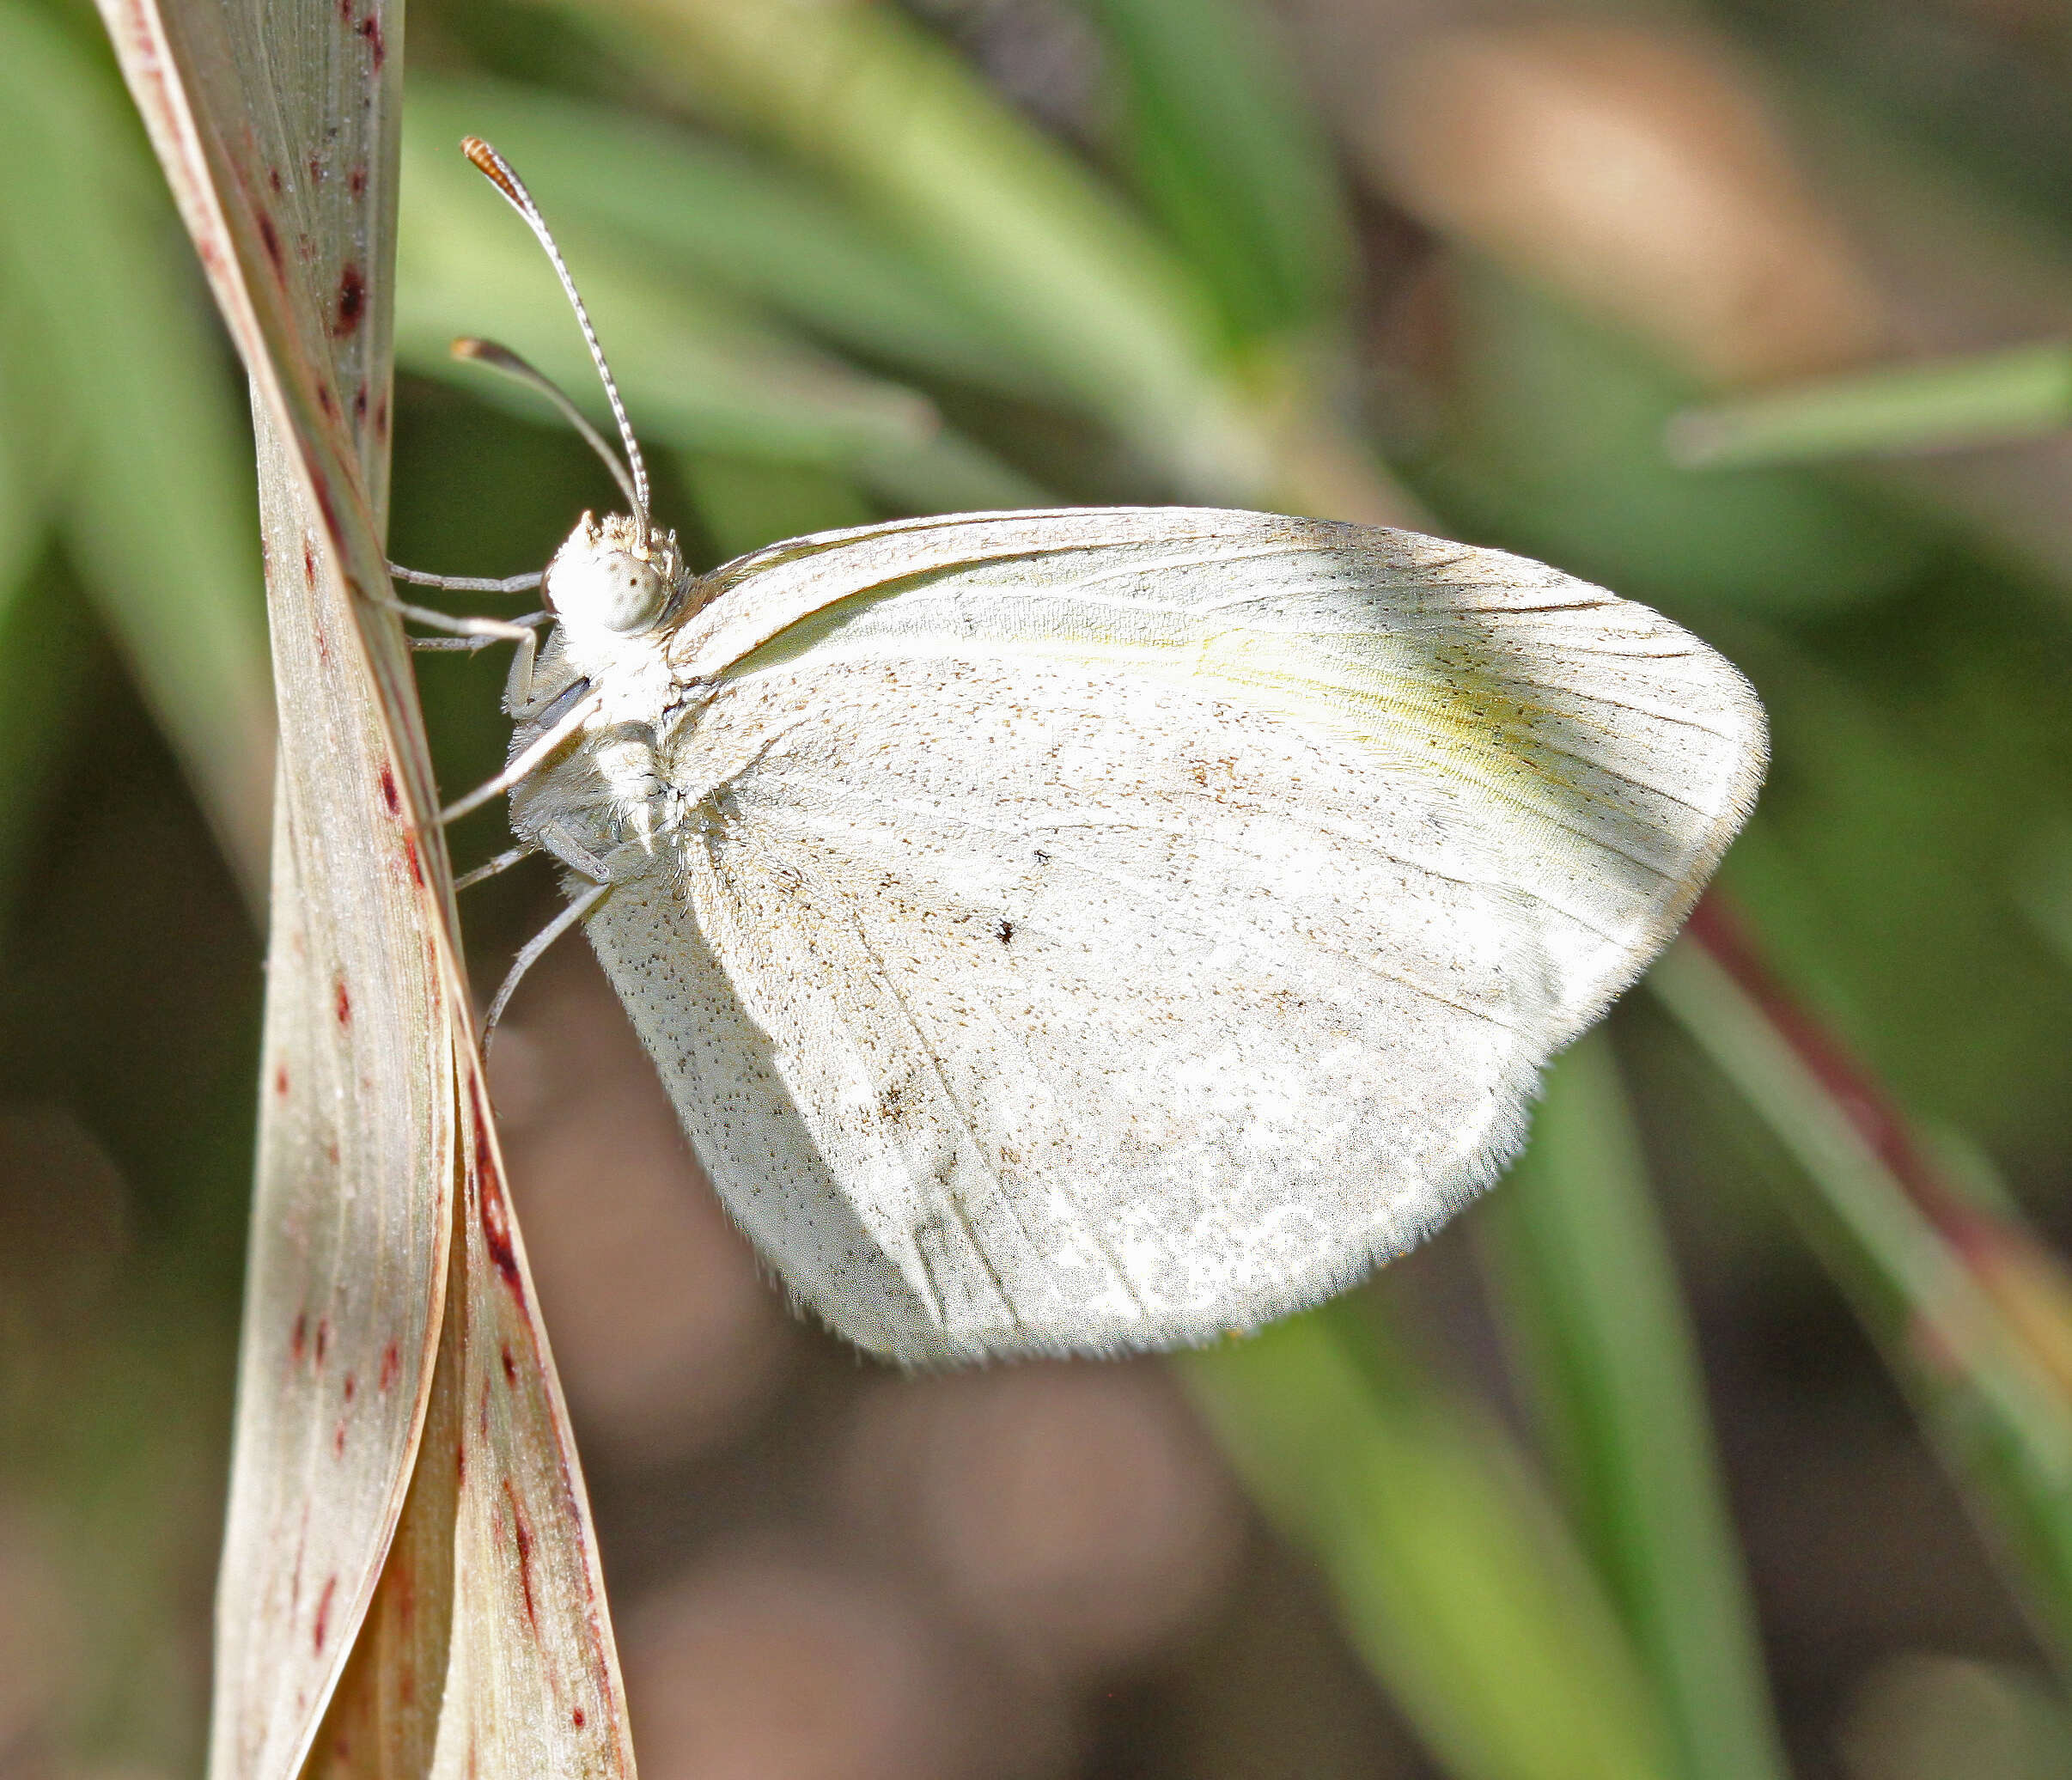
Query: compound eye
column 613, row 589
column 630, row 593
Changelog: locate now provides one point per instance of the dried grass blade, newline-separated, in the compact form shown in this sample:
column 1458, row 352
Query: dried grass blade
column 276, row 129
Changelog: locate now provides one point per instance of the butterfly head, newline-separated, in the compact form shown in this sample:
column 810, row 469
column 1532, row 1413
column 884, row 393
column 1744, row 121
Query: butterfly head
column 616, row 576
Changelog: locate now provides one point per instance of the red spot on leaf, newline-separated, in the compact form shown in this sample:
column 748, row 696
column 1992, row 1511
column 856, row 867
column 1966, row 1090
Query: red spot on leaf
column 389, row 794
column 510, row 1368
column 269, row 238
column 416, row 863
column 298, row 1339
column 495, row 1216
column 357, row 180
column 308, row 562
column 341, row 1001
column 523, row 1535
column 323, row 1612
column 352, row 303
column 460, row 1460
column 352, row 1387
column 273, row 178
column 370, row 28
column 280, row 1080
column 359, row 402
column 403, row 1580
column 337, row 1442
column 331, row 1152
column 323, row 1338
column 326, row 401
column 392, row 1363
column 577, row 1719
column 496, row 1232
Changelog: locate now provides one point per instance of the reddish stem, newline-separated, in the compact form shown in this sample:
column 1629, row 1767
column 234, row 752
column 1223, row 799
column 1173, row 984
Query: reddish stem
column 1718, row 931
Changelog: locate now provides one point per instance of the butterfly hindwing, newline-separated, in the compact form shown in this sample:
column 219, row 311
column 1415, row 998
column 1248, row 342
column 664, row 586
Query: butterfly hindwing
column 1132, row 1017
column 1082, row 930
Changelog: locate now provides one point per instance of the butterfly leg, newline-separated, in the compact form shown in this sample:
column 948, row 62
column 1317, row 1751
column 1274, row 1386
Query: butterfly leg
column 558, row 837
column 518, row 699
column 469, row 642
column 504, row 862
column 530, row 954
column 469, row 633
column 469, row 583
column 527, row 763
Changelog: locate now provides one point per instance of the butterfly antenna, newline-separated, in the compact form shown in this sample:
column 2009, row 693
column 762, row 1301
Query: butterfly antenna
column 502, row 358
column 498, row 172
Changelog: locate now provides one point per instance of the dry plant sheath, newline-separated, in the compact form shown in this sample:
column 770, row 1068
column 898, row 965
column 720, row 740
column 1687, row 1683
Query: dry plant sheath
column 409, row 1585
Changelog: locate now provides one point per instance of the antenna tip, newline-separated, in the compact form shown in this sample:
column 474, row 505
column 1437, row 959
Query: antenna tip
column 470, row 350
column 492, row 165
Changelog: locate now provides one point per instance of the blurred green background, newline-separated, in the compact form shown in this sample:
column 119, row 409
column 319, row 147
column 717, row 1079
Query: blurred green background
column 1732, row 1436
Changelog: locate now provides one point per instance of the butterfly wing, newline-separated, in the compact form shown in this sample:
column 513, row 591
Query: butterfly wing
column 1098, row 929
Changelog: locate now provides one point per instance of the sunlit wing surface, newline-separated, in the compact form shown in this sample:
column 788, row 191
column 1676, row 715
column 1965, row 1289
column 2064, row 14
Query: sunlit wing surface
column 1097, row 930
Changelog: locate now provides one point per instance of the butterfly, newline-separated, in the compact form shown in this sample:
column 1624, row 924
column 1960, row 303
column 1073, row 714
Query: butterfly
column 1103, row 929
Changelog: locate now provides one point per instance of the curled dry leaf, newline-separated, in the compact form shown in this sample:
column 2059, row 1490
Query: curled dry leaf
column 485, row 1644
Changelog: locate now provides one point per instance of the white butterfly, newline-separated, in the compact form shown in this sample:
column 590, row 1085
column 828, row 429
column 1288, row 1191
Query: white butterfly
column 1070, row 931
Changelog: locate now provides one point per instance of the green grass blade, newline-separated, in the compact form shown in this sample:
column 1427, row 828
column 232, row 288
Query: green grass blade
column 158, row 503
column 700, row 371
column 746, row 505
column 49, row 655
column 1013, row 227
column 2024, row 393
column 1973, row 1314
column 1453, row 1577
column 36, row 442
column 1552, row 442
column 733, row 222
column 47, row 651
column 1591, row 1302
column 1224, row 149
column 945, row 473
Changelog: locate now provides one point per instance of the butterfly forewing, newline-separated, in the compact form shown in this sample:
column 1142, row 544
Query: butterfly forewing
column 1090, row 930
